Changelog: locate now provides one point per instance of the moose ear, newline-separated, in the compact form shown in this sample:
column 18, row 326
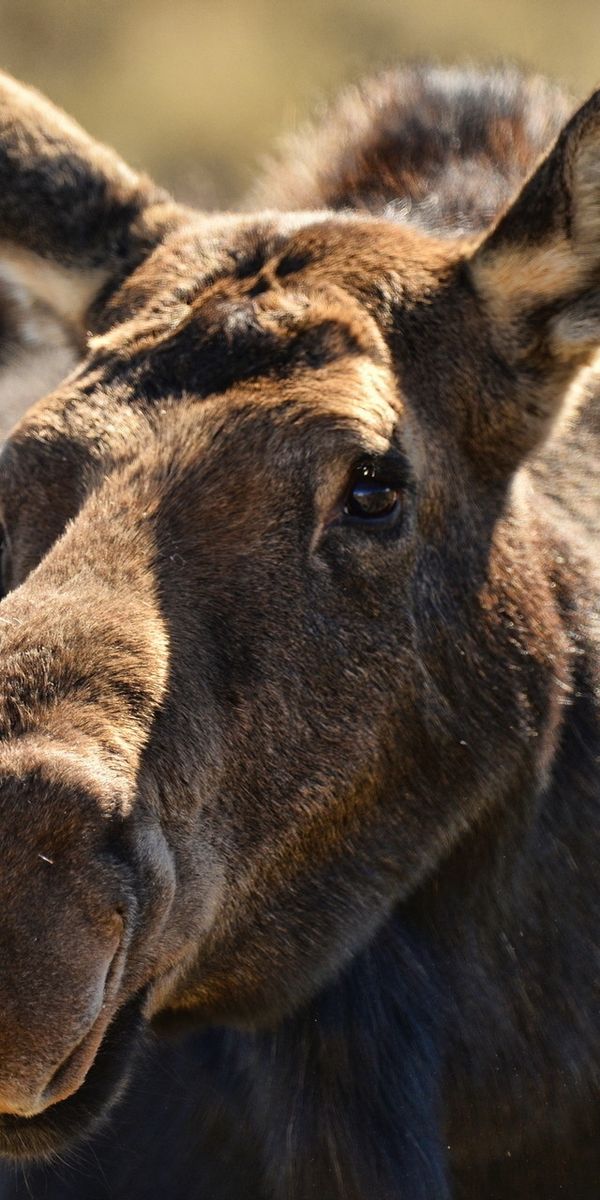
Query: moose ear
column 538, row 274
column 73, row 217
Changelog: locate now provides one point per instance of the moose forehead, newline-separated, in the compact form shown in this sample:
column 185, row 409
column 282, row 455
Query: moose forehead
column 250, row 315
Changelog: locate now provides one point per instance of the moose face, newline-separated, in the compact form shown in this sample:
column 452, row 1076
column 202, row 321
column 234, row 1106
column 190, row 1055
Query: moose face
column 276, row 629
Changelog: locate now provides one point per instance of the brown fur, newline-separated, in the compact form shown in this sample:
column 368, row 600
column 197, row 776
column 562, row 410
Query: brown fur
column 331, row 787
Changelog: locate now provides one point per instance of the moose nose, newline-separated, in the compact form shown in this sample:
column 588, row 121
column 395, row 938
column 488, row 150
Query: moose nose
column 65, row 911
column 29, row 1085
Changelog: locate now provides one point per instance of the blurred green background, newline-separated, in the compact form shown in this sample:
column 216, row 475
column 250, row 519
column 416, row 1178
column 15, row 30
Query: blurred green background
column 196, row 91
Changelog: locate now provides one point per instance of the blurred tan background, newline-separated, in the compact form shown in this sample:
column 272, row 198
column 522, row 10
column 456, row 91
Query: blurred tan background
column 196, row 91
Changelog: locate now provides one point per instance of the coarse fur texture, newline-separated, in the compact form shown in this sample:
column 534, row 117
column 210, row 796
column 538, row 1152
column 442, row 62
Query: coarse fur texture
column 299, row 808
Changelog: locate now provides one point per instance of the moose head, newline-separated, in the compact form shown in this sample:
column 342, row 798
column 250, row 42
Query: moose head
column 280, row 627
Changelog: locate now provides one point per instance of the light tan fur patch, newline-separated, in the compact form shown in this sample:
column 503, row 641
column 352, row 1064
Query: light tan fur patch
column 521, row 277
column 66, row 290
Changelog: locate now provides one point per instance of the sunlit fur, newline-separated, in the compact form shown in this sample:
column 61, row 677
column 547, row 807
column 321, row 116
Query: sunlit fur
column 322, row 798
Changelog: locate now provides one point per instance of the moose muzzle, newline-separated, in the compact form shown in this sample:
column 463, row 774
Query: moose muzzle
column 65, row 902
column 81, row 673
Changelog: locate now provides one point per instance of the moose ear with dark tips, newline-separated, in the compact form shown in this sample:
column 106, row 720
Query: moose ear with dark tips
column 537, row 273
column 73, row 217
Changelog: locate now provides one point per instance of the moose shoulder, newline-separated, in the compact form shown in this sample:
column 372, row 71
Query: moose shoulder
column 299, row 663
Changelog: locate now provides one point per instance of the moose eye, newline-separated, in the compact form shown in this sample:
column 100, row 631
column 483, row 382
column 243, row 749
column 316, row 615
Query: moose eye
column 374, row 496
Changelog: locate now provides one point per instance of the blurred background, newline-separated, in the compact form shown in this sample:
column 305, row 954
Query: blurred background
column 197, row 91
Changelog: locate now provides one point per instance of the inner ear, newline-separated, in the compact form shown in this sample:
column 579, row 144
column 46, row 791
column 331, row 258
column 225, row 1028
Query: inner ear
column 66, row 291
column 537, row 279
column 542, row 261
column 37, row 350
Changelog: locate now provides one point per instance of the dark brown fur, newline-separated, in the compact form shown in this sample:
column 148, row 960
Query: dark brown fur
column 326, row 792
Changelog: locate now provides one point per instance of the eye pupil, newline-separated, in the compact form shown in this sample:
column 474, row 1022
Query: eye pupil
column 371, row 499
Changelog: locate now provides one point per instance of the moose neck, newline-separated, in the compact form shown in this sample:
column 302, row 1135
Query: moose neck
column 347, row 1092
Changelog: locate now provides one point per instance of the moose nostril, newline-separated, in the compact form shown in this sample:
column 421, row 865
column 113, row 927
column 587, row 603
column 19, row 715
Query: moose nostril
column 69, row 1075
column 27, row 1102
column 64, row 925
column 21, row 1099
column 24, row 1094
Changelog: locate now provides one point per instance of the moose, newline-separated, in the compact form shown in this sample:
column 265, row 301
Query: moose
column 300, row 661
